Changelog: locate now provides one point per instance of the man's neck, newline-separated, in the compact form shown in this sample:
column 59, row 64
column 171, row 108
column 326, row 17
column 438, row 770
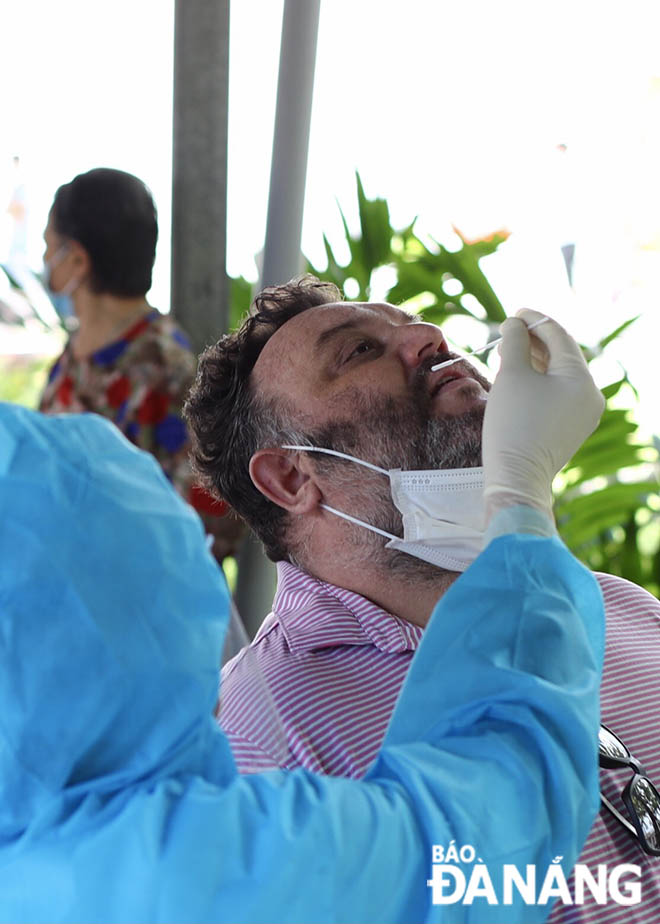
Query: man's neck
column 410, row 596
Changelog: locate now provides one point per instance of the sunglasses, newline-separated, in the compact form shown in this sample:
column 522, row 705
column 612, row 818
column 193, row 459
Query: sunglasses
column 640, row 796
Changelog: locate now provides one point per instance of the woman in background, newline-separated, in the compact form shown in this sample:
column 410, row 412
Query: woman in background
column 124, row 359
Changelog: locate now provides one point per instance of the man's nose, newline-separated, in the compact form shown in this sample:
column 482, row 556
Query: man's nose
column 419, row 341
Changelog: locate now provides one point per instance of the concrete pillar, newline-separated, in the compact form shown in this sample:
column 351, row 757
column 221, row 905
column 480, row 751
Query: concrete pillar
column 199, row 168
column 288, row 171
column 282, row 256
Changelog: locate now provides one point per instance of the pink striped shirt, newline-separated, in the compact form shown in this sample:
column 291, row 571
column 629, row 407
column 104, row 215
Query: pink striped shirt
column 319, row 682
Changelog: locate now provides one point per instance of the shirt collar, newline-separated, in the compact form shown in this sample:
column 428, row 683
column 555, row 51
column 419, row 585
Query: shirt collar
column 314, row 614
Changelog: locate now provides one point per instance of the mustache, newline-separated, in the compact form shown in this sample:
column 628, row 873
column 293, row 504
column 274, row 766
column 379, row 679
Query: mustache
column 462, row 365
column 441, row 357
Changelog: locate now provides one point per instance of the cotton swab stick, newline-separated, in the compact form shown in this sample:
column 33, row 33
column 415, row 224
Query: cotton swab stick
column 449, row 362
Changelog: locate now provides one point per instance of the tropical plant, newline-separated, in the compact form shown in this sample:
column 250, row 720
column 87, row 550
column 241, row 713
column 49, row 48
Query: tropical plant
column 422, row 271
column 22, row 379
column 607, row 501
column 240, row 296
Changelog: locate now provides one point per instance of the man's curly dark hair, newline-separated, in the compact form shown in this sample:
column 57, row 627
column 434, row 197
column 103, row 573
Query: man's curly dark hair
column 229, row 422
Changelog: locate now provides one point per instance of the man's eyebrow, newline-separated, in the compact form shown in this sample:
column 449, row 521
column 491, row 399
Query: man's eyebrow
column 327, row 336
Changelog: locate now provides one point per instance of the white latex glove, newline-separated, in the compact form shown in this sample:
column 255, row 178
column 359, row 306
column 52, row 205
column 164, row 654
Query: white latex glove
column 535, row 420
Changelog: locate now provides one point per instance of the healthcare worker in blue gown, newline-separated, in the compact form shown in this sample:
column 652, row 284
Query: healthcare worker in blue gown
column 119, row 799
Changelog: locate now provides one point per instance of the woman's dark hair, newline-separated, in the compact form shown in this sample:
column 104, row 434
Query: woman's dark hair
column 113, row 216
column 229, row 422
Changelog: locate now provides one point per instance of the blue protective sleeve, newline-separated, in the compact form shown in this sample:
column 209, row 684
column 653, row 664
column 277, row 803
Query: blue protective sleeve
column 491, row 745
column 119, row 800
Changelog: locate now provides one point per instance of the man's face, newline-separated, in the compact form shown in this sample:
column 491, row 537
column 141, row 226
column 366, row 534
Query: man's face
column 356, row 377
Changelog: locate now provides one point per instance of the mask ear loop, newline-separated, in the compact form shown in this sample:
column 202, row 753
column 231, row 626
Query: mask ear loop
column 338, row 513
column 70, row 287
column 58, row 256
column 341, row 455
column 347, row 516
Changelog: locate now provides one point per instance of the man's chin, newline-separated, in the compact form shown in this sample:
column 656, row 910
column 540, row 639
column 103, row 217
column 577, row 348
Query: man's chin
column 452, row 440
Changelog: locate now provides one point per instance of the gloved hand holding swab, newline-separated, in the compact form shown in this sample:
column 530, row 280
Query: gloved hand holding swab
column 535, row 422
column 488, row 346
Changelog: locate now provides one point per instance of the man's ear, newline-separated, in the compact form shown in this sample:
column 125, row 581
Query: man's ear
column 278, row 474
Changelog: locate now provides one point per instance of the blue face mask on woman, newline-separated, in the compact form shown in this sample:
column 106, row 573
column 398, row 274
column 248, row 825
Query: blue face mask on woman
column 62, row 301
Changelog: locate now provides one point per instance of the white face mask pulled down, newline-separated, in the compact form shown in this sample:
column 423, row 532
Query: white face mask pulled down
column 442, row 511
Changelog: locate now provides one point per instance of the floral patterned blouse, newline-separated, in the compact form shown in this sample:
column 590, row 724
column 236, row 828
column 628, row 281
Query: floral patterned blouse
column 140, row 383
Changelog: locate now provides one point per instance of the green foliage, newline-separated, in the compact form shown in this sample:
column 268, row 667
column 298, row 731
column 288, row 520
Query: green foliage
column 22, row 379
column 370, row 249
column 607, row 502
column 422, row 270
column 240, row 295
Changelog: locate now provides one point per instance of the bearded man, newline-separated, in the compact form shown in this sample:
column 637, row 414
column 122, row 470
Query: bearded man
column 284, row 412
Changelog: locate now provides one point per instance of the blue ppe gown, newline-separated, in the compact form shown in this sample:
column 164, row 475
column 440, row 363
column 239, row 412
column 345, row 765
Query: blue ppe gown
column 119, row 799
